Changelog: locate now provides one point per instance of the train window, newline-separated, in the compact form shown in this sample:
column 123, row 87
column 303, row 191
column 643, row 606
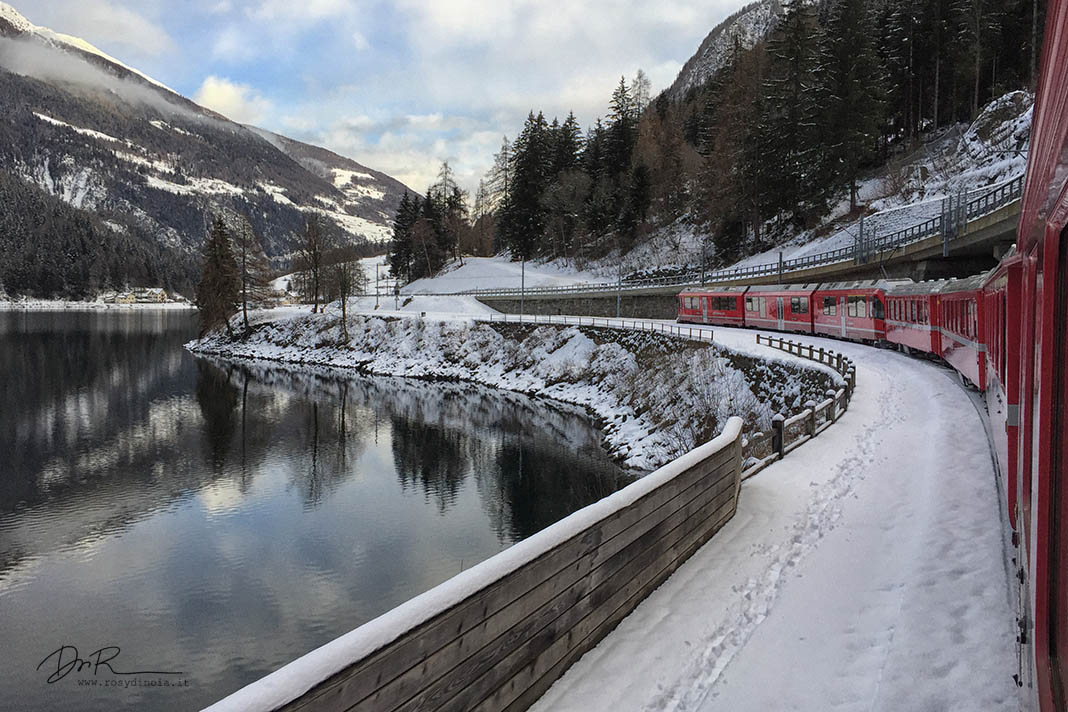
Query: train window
column 830, row 306
column 877, row 308
column 858, row 307
column 749, row 304
column 799, row 305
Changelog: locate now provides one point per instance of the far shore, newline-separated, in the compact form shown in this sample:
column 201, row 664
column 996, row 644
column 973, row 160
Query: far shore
column 60, row 305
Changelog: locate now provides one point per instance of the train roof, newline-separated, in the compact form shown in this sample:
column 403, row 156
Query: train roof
column 765, row 288
column 910, row 288
column 968, row 284
column 693, row 291
column 883, row 284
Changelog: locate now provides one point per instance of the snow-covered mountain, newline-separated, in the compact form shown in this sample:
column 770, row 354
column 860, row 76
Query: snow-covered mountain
column 111, row 141
column 743, row 29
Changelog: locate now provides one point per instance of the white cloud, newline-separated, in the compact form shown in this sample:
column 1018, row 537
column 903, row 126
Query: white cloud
column 239, row 102
column 359, row 41
column 112, row 26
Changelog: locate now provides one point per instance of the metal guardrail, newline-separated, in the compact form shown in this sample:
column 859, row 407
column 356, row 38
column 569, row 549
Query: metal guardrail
column 952, row 221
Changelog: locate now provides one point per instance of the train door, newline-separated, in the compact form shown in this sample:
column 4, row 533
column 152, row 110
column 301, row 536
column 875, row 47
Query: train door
column 779, row 313
column 842, row 313
column 704, row 309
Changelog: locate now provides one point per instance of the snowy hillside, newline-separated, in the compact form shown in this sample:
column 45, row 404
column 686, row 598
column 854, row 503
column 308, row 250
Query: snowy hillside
column 497, row 273
column 111, row 141
column 743, row 29
column 958, row 159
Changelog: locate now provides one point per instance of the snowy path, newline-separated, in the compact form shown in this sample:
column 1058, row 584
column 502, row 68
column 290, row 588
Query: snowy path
column 866, row 571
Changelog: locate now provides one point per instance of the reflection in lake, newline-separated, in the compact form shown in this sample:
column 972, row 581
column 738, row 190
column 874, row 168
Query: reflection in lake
column 221, row 519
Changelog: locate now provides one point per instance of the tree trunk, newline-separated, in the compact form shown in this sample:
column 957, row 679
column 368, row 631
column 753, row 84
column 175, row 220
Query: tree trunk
column 938, row 72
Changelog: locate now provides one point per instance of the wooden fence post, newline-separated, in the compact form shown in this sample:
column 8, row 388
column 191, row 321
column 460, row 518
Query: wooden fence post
column 778, row 433
column 810, row 422
column 838, row 362
column 832, row 414
column 851, row 378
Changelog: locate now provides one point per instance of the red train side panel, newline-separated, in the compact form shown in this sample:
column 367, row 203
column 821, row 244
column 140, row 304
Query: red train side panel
column 910, row 308
column 960, row 316
column 1043, row 246
column 784, row 307
column 718, row 306
column 851, row 310
column 1001, row 294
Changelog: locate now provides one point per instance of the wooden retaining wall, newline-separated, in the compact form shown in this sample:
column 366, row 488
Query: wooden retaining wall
column 498, row 635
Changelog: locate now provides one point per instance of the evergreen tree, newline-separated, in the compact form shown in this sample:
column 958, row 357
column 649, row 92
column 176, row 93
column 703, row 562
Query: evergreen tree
column 499, row 179
column 522, row 220
column 217, row 293
column 567, row 146
column 852, row 112
column 789, row 140
column 400, row 246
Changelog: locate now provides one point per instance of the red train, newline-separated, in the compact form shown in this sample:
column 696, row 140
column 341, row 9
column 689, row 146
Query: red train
column 1007, row 333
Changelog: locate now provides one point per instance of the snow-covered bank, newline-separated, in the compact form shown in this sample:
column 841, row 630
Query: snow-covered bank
column 657, row 396
column 864, row 572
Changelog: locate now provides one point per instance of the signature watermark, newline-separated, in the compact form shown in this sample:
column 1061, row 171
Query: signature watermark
column 101, row 668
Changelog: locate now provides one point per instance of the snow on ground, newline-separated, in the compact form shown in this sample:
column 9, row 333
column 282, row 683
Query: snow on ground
column 497, row 273
column 866, row 571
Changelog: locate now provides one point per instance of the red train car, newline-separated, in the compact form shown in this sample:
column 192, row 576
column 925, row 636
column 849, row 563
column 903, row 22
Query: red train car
column 715, row 306
column 1043, row 436
column 1001, row 334
column 783, row 307
column 959, row 318
column 909, row 307
column 851, row 310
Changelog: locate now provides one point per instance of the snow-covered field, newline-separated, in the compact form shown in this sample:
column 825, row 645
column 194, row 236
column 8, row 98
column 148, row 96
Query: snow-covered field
column 497, row 273
column 867, row 571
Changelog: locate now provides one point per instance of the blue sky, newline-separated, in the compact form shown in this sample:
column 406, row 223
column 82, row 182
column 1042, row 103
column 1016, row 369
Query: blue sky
column 398, row 85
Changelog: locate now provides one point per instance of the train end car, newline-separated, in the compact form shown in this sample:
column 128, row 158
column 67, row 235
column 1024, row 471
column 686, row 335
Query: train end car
column 960, row 316
column 782, row 307
column 722, row 307
column 852, row 310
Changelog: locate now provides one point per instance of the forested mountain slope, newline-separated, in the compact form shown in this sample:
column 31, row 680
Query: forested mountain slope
column 147, row 167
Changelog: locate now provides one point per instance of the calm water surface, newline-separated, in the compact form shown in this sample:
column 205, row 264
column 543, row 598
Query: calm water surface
column 221, row 519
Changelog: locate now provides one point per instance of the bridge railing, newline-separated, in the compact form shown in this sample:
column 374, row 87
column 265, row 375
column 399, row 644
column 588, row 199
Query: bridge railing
column 990, row 199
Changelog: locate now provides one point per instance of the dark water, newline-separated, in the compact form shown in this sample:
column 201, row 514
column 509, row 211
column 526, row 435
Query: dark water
column 221, row 519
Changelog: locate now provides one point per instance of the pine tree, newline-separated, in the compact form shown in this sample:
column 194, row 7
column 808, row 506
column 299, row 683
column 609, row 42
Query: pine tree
column 499, row 179
column 567, row 145
column 853, row 99
column 522, row 220
column 400, row 246
column 789, row 140
column 217, row 293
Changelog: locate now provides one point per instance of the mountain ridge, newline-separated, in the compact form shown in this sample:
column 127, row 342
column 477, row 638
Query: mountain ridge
column 111, row 141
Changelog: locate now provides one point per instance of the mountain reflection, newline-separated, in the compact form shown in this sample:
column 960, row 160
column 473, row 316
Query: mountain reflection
column 230, row 516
